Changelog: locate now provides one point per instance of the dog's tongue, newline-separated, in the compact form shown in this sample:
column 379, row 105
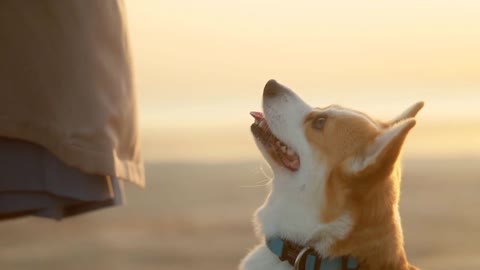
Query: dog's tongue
column 257, row 115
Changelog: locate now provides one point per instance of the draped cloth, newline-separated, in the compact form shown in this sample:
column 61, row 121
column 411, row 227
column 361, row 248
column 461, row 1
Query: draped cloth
column 68, row 111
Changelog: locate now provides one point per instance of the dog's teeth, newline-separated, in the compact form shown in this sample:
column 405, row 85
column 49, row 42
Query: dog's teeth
column 262, row 124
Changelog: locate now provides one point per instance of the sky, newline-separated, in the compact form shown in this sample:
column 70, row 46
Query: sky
column 200, row 67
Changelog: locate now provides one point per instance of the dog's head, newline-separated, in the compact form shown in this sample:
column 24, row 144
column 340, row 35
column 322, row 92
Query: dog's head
column 333, row 154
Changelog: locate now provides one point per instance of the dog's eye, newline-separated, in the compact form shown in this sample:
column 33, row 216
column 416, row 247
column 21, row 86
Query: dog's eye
column 319, row 122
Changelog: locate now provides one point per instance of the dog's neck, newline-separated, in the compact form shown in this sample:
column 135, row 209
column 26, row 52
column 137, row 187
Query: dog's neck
column 382, row 246
column 289, row 212
column 375, row 238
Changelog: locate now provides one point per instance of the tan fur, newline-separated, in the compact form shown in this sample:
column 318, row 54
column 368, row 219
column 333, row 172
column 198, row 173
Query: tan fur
column 370, row 195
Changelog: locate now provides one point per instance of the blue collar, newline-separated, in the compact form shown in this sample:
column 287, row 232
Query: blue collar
column 305, row 258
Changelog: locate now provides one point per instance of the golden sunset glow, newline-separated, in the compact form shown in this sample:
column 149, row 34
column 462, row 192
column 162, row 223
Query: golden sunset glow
column 212, row 197
column 201, row 66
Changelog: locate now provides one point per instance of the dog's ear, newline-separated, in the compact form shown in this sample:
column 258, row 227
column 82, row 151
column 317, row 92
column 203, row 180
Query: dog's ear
column 408, row 113
column 383, row 151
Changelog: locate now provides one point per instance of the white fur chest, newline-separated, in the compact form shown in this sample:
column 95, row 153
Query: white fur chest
column 288, row 216
column 293, row 216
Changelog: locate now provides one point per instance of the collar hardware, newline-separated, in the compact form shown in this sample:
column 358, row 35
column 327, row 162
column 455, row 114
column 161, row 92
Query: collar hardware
column 302, row 258
column 306, row 258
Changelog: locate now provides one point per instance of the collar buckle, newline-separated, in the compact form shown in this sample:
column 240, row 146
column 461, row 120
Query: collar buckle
column 301, row 257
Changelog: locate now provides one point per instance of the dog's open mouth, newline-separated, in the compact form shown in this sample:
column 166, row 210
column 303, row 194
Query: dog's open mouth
column 277, row 149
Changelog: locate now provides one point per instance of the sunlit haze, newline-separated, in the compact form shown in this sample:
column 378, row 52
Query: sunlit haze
column 201, row 65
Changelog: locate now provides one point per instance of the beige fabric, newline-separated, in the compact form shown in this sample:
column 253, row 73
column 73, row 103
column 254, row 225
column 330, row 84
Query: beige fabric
column 66, row 83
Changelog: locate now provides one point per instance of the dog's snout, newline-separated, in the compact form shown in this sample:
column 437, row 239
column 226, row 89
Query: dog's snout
column 272, row 88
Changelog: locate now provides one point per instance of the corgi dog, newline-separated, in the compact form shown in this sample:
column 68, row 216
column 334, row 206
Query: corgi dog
column 334, row 198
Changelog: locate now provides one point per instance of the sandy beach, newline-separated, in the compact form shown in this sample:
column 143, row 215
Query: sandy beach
column 197, row 216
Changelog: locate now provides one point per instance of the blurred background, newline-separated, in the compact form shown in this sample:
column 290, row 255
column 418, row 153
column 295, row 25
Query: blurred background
column 200, row 68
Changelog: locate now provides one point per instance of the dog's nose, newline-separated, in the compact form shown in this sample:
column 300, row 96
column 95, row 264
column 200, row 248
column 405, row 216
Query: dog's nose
column 272, row 88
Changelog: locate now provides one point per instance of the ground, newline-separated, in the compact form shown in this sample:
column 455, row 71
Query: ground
column 197, row 216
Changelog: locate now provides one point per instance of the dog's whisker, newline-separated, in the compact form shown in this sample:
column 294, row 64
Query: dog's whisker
column 262, row 169
column 254, row 186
